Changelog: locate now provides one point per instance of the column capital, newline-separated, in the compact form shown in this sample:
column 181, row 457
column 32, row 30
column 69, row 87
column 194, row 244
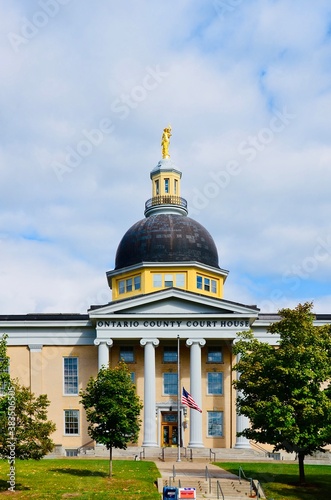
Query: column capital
column 109, row 342
column 155, row 342
column 190, row 342
column 35, row 347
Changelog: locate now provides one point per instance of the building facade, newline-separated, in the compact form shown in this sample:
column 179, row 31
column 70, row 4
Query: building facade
column 167, row 300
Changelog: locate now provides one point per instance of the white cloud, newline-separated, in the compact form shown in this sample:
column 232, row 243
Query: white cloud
column 224, row 77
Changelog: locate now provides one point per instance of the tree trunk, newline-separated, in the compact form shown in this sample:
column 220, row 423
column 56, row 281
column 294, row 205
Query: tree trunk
column 301, row 457
column 110, row 461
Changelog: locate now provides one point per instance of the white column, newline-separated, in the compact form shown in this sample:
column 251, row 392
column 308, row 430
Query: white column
column 195, row 391
column 242, row 423
column 149, row 391
column 103, row 352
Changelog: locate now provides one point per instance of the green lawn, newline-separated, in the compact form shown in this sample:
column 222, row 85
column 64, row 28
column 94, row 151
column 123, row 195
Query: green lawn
column 82, row 479
column 280, row 480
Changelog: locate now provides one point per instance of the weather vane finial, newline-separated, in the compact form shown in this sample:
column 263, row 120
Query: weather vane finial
column 165, row 142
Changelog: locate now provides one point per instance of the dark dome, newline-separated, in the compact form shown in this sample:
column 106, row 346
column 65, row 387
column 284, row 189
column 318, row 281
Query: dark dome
column 166, row 238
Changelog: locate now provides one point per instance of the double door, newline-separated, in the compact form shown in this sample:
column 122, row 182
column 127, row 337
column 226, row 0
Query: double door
column 169, row 434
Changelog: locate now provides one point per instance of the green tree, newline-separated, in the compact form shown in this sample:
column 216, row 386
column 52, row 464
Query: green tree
column 285, row 390
column 112, row 408
column 24, row 428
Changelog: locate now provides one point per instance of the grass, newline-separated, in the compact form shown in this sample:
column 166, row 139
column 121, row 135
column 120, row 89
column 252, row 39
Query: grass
column 280, row 481
column 81, row 479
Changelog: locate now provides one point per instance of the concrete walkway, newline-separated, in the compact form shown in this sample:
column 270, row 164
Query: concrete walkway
column 193, row 474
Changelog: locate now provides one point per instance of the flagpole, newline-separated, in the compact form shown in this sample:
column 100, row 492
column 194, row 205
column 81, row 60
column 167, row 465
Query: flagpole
column 179, row 427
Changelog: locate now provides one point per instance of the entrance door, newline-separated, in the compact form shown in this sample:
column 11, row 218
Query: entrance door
column 169, row 431
column 169, row 434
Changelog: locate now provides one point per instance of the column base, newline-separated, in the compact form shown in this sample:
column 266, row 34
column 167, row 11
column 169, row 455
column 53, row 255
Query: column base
column 196, row 445
column 150, row 445
column 242, row 446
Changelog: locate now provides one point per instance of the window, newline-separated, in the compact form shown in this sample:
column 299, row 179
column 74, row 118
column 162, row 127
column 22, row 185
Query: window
column 121, row 286
column 70, row 368
column 127, row 354
column 170, row 384
column 133, row 377
column 128, row 284
column 169, row 354
column 137, row 282
column 166, row 185
column 215, row 355
column 168, row 280
column 71, row 422
column 215, row 383
column 157, row 187
column 157, row 280
column 215, row 423
column 175, row 186
column 206, row 284
column 180, row 280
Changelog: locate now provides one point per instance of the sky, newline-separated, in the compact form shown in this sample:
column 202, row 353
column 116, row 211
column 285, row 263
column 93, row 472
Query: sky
column 86, row 89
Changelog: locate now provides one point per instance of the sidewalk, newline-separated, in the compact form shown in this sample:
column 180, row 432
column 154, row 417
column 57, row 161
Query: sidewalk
column 196, row 469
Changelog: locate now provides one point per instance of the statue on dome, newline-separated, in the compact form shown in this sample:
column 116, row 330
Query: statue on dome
column 165, row 142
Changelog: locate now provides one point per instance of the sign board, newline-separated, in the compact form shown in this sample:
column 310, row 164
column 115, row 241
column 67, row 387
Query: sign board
column 187, row 493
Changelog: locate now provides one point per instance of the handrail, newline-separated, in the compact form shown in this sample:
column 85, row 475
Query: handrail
column 219, row 490
column 266, row 452
column 251, row 486
column 83, row 445
column 162, row 454
column 173, row 472
column 211, row 452
column 208, row 478
column 257, row 488
column 191, row 455
column 142, row 454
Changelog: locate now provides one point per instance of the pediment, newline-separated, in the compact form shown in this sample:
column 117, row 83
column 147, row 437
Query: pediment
column 173, row 302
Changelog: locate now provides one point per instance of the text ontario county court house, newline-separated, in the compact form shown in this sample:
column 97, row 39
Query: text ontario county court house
column 167, row 284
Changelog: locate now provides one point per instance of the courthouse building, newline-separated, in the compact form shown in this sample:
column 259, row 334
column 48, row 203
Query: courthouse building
column 167, row 291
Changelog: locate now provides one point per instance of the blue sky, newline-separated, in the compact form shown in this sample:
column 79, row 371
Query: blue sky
column 86, row 89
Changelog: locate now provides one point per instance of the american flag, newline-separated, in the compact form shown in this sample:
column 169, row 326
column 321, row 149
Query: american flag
column 189, row 401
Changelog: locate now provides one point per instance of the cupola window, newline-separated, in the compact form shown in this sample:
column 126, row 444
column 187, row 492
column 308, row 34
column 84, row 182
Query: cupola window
column 166, row 186
column 129, row 284
column 168, row 280
column 137, row 282
column 206, row 284
column 180, row 280
column 157, row 187
column 157, row 280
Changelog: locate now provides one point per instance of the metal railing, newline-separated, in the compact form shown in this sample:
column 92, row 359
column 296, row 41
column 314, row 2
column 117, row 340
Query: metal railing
column 142, row 454
column 208, row 478
column 165, row 200
column 219, row 490
column 242, row 474
column 211, row 452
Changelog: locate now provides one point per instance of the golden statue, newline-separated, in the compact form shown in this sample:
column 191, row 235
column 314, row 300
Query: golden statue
column 165, row 142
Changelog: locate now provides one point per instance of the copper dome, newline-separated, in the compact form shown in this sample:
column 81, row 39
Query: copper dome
column 166, row 238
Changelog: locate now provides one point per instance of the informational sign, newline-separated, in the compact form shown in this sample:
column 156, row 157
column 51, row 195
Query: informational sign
column 187, row 493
